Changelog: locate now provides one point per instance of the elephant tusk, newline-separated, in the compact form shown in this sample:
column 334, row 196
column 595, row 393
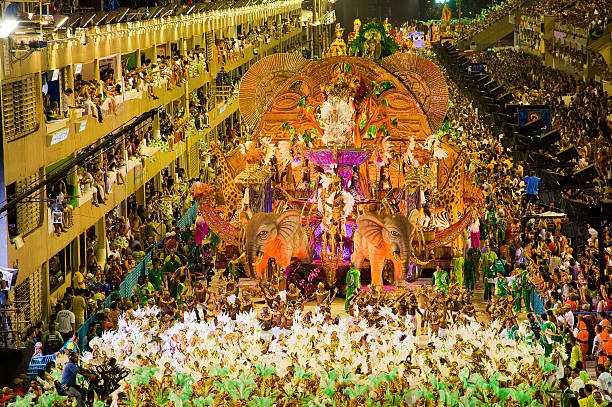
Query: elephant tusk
column 258, row 259
column 397, row 257
column 418, row 261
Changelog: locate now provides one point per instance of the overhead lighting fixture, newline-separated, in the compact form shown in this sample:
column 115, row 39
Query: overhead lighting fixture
column 88, row 20
column 74, row 21
column 158, row 12
column 61, row 21
column 120, row 20
column 99, row 19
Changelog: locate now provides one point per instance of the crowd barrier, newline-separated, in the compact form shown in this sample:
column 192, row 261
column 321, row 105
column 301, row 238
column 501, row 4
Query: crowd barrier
column 127, row 285
column 38, row 363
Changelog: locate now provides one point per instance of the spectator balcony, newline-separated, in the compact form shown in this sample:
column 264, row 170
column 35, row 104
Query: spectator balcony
column 84, row 130
column 35, row 144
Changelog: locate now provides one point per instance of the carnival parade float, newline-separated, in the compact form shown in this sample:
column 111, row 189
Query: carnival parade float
column 345, row 164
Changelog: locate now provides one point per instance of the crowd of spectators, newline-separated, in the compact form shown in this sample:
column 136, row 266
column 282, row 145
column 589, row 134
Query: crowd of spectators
column 604, row 70
column 579, row 110
column 510, row 244
column 584, row 14
column 570, row 55
column 128, row 239
column 590, row 15
column 103, row 97
column 488, row 17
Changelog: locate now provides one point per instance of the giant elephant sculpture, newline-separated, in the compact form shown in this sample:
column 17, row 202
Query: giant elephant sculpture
column 379, row 238
column 279, row 236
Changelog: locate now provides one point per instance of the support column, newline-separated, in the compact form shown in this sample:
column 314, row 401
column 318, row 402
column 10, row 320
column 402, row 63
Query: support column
column 100, row 228
column 140, row 196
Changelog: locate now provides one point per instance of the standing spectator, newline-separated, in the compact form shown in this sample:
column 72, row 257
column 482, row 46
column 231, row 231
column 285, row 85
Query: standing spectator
column 30, row 343
column 604, row 380
column 67, row 102
column 78, row 278
column 39, row 331
column 52, row 340
column 79, row 306
column 113, row 315
column 531, row 192
column 66, row 320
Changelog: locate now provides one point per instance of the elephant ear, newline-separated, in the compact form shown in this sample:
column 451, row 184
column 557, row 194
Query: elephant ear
column 371, row 228
column 287, row 224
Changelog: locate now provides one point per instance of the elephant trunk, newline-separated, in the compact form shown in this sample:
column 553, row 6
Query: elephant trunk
column 403, row 256
column 254, row 257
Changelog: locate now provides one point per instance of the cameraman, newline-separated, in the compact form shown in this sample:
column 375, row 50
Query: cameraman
column 68, row 386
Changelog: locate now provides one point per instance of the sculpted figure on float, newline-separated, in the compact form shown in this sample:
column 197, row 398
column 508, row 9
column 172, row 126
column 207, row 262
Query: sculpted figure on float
column 372, row 45
column 278, row 236
column 380, row 238
column 338, row 46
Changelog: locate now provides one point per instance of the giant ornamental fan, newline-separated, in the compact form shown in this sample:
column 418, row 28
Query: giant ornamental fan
column 262, row 81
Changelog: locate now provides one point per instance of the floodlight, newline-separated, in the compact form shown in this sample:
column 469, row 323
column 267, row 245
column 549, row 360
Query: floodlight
column 87, row 20
column 61, row 21
column 7, row 27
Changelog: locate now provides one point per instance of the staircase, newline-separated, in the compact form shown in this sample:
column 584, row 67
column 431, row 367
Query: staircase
column 599, row 44
column 489, row 36
column 496, row 31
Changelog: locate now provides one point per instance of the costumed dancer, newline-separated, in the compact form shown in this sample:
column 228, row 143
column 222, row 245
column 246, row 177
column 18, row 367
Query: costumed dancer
column 440, row 279
column 457, row 264
column 475, row 234
column 501, row 285
column 468, row 273
column 487, row 261
column 353, row 283
column 516, row 286
column 526, row 287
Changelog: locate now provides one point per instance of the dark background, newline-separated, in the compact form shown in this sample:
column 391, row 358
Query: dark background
column 400, row 11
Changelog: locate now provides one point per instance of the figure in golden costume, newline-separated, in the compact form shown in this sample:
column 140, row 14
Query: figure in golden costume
column 356, row 27
column 338, row 46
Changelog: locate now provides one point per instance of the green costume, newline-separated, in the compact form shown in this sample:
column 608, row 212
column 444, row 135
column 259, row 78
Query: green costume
column 155, row 277
column 487, row 260
column 484, row 231
column 501, row 287
column 353, row 282
column 511, row 333
column 500, row 266
column 440, row 280
column 516, row 293
column 171, row 263
column 547, row 341
column 457, row 264
column 180, row 289
column 143, row 292
column 527, row 288
column 468, row 274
